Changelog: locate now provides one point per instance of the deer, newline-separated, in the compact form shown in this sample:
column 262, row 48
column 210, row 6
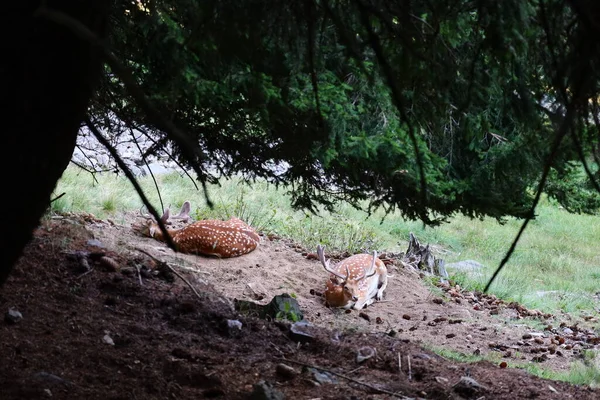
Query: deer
column 223, row 239
column 355, row 282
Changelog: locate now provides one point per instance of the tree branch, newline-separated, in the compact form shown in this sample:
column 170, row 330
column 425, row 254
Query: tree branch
column 113, row 152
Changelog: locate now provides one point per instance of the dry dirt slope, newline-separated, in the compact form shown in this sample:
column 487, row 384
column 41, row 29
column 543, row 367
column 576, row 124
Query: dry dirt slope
column 166, row 343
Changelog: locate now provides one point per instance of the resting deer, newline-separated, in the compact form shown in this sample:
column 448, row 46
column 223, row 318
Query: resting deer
column 231, row 238
column 356, row 281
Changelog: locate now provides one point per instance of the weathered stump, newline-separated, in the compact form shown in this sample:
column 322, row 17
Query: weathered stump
column 420, row 258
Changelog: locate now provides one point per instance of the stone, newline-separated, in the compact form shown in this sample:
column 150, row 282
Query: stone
column 265, row 391
column 12, row 316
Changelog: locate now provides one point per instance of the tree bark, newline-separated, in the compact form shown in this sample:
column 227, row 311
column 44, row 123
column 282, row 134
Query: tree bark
column 47, row 76
column 421, row 258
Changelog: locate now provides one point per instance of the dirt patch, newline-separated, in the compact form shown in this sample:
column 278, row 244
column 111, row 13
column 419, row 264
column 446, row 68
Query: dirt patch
column 116, row 333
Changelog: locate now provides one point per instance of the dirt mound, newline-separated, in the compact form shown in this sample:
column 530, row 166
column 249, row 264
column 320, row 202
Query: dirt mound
column 126, row 330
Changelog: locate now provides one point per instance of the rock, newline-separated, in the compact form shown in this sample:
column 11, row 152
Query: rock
column 12, row 316
column 95, row 243
column 466, row 266
column 234, row 324
column 285, row 371
column 181, row 353
column 364, row 353
column 50, row 379
column 284, row 306
column 468, row 386
column 300, row 332
column 47, row 393
column 108, row 340
column 322, row 377
column 265, row 391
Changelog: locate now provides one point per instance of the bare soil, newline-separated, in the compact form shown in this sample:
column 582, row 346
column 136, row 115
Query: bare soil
column 129, row 329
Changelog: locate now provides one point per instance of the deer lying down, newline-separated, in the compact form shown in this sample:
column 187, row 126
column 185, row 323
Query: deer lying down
column 224, row 239
column 354, row 282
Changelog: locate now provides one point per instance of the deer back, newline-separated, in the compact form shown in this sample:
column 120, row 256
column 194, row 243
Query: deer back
column 223, row 239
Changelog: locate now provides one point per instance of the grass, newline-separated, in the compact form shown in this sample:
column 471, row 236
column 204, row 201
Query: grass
column 586, row 372
column 556, row 265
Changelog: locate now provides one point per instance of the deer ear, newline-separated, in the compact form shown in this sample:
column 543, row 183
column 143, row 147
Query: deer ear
column 165, row 216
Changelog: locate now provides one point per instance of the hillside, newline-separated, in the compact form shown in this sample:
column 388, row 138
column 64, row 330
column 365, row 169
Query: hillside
column 128, row 329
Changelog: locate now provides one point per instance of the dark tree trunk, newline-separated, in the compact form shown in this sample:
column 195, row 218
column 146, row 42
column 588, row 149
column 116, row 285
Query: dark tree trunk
column 47, row 77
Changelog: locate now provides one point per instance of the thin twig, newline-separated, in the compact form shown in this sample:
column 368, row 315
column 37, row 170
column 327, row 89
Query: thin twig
column 368, row 385
column 113, row 152
column 168, row 153
column 185, row 280
column 409, row 367
column 356, row 369
column 57, row 197
column 400, row 363
column 399, row 102
column 162, row 206
column 562, row 132
column 172, row 270
column 84, row 274
column 139, row 273
column 83, row 167
column 190, row 149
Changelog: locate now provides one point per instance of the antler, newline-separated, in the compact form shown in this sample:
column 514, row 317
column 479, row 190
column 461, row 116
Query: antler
column 164, row 218
column 143, row 214
column 325, row 263
column 371, row 268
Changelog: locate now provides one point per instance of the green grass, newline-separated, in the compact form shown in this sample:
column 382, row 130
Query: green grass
column 556, row 255
column 461, row 357
column 586, row 372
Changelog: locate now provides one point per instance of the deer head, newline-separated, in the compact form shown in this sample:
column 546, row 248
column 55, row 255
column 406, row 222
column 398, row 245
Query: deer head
column 150, row 228
column 349, row 281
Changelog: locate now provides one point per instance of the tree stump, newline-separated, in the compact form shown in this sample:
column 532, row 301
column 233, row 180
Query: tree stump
column 420, row 258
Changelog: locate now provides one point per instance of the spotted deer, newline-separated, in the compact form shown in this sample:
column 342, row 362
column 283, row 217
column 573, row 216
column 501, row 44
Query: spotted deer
column 354, row 282
column 224, row 239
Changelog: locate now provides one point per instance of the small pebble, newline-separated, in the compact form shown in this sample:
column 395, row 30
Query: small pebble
column 108, row 340
column 285, row 371
column 12, row 316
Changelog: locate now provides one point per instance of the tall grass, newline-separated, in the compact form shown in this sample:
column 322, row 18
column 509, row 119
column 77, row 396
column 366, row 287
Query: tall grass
column 556, row 265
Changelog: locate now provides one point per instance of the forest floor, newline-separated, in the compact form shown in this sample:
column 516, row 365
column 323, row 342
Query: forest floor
column 128, row 328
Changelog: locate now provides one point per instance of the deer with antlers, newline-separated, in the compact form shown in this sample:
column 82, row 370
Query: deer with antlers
column 354, row 282
column 224, row 239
